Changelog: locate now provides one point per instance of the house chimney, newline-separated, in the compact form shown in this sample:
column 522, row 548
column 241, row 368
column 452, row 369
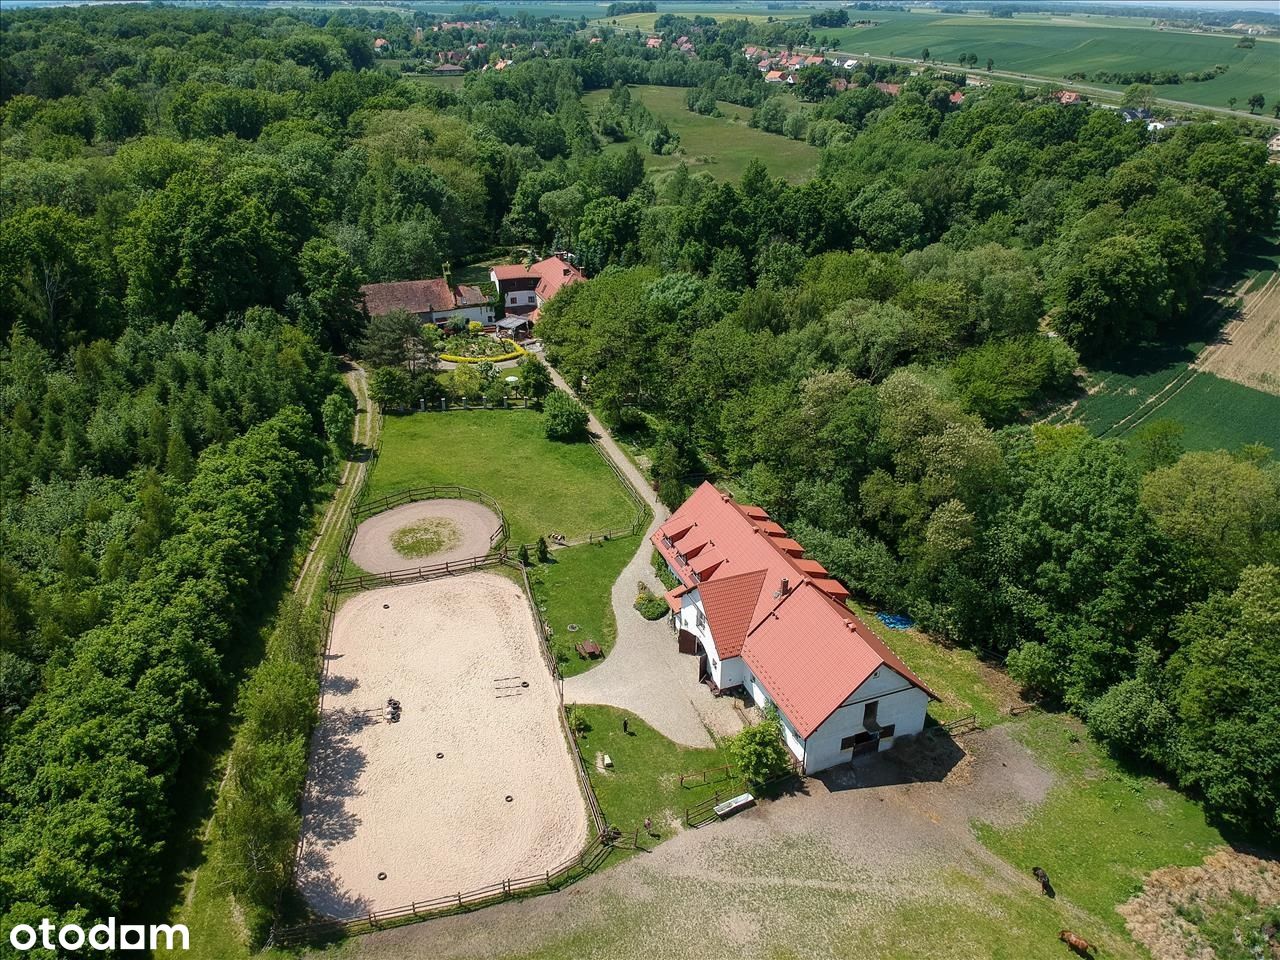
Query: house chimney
column 782, row 589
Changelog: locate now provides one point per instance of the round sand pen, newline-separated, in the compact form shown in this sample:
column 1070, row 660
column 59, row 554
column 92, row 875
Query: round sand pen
column 470, row 523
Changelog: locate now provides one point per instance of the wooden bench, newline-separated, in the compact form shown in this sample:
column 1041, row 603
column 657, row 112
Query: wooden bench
column 588, row 650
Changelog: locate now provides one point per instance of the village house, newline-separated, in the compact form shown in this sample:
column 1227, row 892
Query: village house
column 774, row 76
column 1066, row 97
column 381, row 45
column 431, row 301
column 892, row 89
column 653, row 43
column 761, row 618
column 524, row 289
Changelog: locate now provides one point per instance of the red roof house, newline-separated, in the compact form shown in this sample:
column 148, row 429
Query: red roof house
column 433, row 301
column 892, row 89
column 526, row 288
column 761, row 616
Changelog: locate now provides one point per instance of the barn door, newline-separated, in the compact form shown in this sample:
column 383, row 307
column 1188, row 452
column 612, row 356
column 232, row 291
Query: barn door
column 686, row 642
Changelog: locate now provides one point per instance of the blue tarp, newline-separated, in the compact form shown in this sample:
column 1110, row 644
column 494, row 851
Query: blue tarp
column 896, row 621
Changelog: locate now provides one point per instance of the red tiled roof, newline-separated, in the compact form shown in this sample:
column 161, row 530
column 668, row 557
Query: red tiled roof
column 729, row 603
column 416, row 296
column 552, row 274
column 804, row 644
column 892, row 89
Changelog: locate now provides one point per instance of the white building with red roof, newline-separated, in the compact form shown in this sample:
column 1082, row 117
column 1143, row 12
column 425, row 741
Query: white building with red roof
column 525, row 288
column 762, row 617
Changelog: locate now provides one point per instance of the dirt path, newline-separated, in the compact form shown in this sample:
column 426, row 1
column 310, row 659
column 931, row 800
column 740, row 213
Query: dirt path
column 364, row 436
column 645, row 673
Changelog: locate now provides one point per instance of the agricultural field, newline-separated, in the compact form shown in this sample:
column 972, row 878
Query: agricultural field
column 543, row 487
column 1057, row 46
column 721, row 11
column 721, row 146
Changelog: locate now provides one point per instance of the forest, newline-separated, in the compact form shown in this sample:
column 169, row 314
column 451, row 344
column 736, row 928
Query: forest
column 192, row 197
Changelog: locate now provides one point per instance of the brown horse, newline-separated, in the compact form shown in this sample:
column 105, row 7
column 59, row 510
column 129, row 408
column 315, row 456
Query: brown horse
column 1077, row 943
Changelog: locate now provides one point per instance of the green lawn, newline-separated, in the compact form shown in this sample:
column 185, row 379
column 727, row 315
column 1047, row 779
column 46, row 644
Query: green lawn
column 543, row 487
column 957, row 676
column 1056, row 46
column 575, row 588
column 645, row 778
column 722, row 146
column 1101, row 829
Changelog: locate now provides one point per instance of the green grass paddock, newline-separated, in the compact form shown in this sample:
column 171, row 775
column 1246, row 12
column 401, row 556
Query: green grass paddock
column 542, row 486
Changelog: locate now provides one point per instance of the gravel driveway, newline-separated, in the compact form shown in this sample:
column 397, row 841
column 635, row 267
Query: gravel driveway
column 645, row 673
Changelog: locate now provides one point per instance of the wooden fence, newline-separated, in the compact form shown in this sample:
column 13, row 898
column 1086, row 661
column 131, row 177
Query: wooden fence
column 702, row 777
column 965, row 724
column 591, row 856
column 432, row 571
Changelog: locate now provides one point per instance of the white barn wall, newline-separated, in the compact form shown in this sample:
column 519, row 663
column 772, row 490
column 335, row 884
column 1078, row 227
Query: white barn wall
column 900, row 704
column 904, row 709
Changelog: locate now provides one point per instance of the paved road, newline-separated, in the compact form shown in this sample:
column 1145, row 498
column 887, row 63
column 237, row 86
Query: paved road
column 1016, row 77
column 644, row 673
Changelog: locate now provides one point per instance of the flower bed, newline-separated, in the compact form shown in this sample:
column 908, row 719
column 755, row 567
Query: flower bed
column 513, row 350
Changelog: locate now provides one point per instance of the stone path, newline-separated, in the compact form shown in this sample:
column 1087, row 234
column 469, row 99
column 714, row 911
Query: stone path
column 645, row 673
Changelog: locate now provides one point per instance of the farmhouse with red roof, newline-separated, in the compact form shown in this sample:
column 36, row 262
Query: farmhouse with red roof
column 432, row 301
column 758, row 615
column 525, row 289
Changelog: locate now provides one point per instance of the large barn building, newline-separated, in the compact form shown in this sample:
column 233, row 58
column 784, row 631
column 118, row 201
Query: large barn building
column 758, row 615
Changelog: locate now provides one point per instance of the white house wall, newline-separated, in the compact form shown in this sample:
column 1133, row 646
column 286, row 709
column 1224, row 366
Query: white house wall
column 481, row 314
column 905, row 710
column 724, row 673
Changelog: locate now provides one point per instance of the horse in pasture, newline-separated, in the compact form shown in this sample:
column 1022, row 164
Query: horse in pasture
column 1077, row 943
column 1043, row 877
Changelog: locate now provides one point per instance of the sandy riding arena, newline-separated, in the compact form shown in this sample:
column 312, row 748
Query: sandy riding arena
column 373, row 548
column 472, row 785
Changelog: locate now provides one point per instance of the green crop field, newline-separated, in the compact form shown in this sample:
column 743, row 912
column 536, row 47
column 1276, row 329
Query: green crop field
column 722, row 146
column 543, row 486
column 1058, row 46
column 1214, row 413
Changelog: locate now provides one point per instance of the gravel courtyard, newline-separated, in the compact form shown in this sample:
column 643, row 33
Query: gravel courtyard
column 372, row 549
column 425, row 800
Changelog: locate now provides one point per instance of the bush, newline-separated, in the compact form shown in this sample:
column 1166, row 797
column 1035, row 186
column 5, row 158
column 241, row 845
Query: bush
column 759, row 753
column 663, row 572
column 650, row 605
column 565, row 418
column 523, row 555
column 577, row 721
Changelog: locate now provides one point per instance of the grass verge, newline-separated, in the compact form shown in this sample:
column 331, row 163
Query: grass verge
column 576, row 587
column 645, row 778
